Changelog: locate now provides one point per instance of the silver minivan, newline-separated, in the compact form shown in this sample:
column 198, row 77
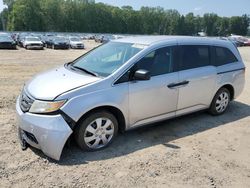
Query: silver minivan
column 124, row 84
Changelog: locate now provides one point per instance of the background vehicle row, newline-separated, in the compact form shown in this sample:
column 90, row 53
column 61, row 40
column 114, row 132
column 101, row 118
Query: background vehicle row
column 66, row 41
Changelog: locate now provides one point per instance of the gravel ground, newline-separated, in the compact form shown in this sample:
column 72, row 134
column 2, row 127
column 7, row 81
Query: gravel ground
column 197, row 150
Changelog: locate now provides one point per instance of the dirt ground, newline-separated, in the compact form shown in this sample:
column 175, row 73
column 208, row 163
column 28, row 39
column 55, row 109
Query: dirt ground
column 197, row 150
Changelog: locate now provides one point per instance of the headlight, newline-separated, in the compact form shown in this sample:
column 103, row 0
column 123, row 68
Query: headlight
column 45, row 106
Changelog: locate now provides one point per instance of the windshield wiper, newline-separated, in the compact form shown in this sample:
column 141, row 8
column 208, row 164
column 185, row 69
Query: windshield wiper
column 85, row 70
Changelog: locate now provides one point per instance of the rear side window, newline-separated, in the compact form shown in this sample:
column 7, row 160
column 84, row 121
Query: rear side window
column 223, row 56
column 194, row 56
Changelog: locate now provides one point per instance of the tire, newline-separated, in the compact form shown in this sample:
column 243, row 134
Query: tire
column 220, row 102
column 91, row 134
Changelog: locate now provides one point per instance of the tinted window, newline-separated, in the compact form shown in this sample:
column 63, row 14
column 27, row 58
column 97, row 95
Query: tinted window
column 223, row 56
column 194, row 56
column 124, row 78
column 158, row 62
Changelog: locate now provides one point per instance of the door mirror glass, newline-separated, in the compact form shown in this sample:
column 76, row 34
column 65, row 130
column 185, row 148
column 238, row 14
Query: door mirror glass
column 141, row 74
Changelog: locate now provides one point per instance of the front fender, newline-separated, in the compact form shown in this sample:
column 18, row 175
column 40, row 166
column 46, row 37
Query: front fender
column 116, row 96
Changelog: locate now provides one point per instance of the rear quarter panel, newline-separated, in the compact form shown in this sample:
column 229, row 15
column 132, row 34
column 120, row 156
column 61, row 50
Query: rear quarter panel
column 232, row 74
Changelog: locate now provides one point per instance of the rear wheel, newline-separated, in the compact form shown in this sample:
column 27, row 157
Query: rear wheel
column 220, row 102
column 96, row 131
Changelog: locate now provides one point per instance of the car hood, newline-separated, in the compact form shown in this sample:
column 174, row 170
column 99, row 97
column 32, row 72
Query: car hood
column 76, row 42
column 10, row 41
column 50, row 84
column 33, row 42
column 60, row 42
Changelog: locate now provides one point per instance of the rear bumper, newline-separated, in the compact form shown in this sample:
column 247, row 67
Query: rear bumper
column 50, row 131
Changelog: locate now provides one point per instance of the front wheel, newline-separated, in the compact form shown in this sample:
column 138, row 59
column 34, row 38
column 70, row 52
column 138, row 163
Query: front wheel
column 96, row 131
column 220, row 102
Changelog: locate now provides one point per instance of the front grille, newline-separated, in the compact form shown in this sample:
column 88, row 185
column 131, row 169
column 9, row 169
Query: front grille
column 25, row 102
column 6, row 43
column 35, row 44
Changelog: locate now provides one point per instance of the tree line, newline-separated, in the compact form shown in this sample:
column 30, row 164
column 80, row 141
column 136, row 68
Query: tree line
column 88, row 16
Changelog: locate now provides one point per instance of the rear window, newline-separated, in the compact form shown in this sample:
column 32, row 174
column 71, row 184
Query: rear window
column 194, row 56
column 223, row 56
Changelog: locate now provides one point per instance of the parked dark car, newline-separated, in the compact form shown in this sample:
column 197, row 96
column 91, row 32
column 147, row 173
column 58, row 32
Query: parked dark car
column 98, row 38
column 57, row 43
column 107, row 38
column 104, row 38
column 20, row 38
column 246, row 41
column 6, row 42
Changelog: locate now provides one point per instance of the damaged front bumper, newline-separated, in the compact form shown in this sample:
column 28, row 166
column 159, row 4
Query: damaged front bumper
column 48, row 133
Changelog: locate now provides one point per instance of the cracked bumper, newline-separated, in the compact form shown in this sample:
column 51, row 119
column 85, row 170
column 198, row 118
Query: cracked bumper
column 50, row 131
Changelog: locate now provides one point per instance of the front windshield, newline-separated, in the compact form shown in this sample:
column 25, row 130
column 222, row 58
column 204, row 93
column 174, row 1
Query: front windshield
column 75, row 39
column 107, row 58
column 60, row 40
column 5, row 38
column 32, row 39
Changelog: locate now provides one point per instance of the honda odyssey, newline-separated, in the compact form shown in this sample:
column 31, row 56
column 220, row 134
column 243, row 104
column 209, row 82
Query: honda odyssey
column 124, row 84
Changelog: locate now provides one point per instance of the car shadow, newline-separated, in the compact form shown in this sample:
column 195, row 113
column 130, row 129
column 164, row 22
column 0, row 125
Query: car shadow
column 154, row 134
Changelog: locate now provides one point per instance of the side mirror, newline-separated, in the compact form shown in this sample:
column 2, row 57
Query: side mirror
column 141, row 74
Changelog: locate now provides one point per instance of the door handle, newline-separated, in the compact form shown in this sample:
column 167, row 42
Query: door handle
column 173, row 85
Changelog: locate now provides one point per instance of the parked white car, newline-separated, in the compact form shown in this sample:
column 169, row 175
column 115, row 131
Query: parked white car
column 31, row 42
column 76, row 42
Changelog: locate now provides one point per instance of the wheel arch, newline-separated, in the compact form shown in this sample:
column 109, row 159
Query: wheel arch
column 230, row 88
column 111, row 109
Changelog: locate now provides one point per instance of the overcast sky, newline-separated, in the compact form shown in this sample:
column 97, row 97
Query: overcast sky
column 220, row 7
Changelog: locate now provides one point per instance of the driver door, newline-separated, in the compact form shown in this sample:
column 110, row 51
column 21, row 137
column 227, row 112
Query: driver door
column 154, row 99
